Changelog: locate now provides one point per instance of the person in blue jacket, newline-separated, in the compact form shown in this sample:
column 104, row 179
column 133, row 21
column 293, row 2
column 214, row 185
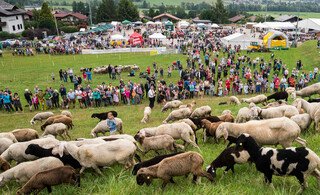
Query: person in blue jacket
column 7, row 102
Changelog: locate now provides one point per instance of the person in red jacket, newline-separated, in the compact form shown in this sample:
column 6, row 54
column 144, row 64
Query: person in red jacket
column 228, row 84
column 148, row 70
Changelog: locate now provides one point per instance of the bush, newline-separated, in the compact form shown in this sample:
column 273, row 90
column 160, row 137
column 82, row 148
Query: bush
column 31, row 34
column 6, row 35
column 69, row 29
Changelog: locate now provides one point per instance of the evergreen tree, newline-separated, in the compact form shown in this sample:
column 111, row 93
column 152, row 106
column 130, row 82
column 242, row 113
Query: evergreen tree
column 220, row 13
column 107, row 11
column 127, row 11
column 46, row 19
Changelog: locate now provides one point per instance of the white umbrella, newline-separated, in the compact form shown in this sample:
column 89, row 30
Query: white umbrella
column 157, row 36
column 214, row 26
column 117, row 37
column 150, row 23
column 201, row 24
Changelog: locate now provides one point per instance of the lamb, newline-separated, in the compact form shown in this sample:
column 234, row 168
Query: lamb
column 307, row 91
column 175, row 130
column 210, row 129
column 276, row 104
column 190, row 105
column 40, row 116
column 299, row 162
column 151, row 162
column 313, row 109
column 257, row 99
column 9, row 135
column 158, row 142
column 244, row 114
column 98, row 155
column 281, row 95
column 234, row 100
column 50, row 121
column 66, row 113
column 171, row 105
column 48, row 178
column 104, row 115
column 203, row 111
column 274, row 131
column 178, row 114
column 38, row 151
column 146, row 114
column 226, row 118
column 4, row 144
column 274, row 112
column 23, row 135
column 4, row 165
column 102, row 127
column 178, row 165
column 228, row 158
column 24, row 171
column 57, row 129
column 197, row 121
column 16, row 151
column 303, row 120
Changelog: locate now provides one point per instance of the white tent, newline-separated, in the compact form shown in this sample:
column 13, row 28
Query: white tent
column 150, row 23
column 183, row 24
column 158, row 23
column 157, row 36
column 201, row 24
column 309, row 24
column 214, row 25
column 117, row 37
column 239, row 39
column 280, row 25
column 260, row 25
column 115, row 23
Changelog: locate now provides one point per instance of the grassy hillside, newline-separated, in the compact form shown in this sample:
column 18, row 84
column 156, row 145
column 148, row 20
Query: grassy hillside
column 19, row 73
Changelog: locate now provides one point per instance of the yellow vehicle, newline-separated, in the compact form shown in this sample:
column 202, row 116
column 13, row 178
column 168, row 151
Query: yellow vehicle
column 256, row 47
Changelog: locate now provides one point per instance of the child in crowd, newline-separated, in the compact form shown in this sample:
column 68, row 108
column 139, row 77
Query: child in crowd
column 111, row 122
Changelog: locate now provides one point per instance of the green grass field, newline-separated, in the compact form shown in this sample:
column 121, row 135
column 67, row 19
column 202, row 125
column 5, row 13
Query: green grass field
column 302, row 15
column 19, row 73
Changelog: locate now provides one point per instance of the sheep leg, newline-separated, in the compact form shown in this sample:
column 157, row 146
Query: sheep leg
column 300, row 177
column 82, row 169
column 204, row 136
column 62, row 136
column 205, row 174
column 96, row 168
column 316, row 174
column 165, row 182
column 67, row 135
column 301, row 141
column 171, row 180
column 49, row 189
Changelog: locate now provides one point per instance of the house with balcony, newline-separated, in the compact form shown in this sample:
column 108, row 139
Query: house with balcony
column 11, row 18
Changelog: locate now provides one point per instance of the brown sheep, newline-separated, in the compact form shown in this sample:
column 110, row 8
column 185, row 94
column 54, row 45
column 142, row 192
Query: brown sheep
column 210, row 129
column 178, row 165
column 226, row 118
column 23, row 135
column 50, row 120
column 4, row 165
column 48, row 178
column 62, row 119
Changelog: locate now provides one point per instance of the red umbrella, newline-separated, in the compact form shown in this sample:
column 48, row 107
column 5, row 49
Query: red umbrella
column 136, row 39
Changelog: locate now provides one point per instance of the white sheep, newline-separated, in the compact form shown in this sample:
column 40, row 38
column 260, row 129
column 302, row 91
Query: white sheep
column 178, row 114
column 313, row 109
column 190, row 105
column 244, row 114
column 99, row 155
column 303, row 120
column 16, row 151
column 40, row 116
column 102, row 127
column 67, row 113
column 276, row 104
column 176, row 130
column 257, row 99
column 275, row 131
column 57, row 129
column 190, row 123
column 307, row 91
column 234, row 100
column 274, row 112
column 9, row 135
column 171, row 105
column 203, row 111
column 4, row 144
column 24, row 171
column 158, row 142
column 251, row 105
column 146, row 114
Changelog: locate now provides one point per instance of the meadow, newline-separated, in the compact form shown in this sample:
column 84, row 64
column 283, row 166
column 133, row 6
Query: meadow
column 19, row 73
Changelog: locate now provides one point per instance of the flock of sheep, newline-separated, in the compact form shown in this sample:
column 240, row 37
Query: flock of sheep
column 43, row 161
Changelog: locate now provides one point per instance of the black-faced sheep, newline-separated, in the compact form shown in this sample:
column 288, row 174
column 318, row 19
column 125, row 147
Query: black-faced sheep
column 178, row 165
column 38, row 151
column 282, row 95
column 151, row 162
column 104, row 115
column 40, row 116
column 23, row 135
column 48, row 178
column 299, row 162
column 228, row 158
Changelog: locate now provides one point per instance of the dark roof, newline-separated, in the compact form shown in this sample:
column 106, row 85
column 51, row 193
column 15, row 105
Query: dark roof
column 10, row 10
column 77, row 15
column 166, row 15
column 236, row 18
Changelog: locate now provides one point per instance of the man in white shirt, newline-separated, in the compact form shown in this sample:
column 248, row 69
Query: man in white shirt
column 152, row 96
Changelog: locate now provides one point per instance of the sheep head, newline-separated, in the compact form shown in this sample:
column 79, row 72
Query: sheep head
column 4, row 165
column 204, row 122
column 255, row 113
column 297, row 103
column 222, row 131
column 143, row 178
column 211, row 170
column 32, row 122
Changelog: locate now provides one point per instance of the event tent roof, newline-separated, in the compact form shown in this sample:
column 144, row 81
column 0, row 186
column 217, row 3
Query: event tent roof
column 117, row 37
column 280, row 25
column 157, row 36
column 214, row 25
column 310, row 24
